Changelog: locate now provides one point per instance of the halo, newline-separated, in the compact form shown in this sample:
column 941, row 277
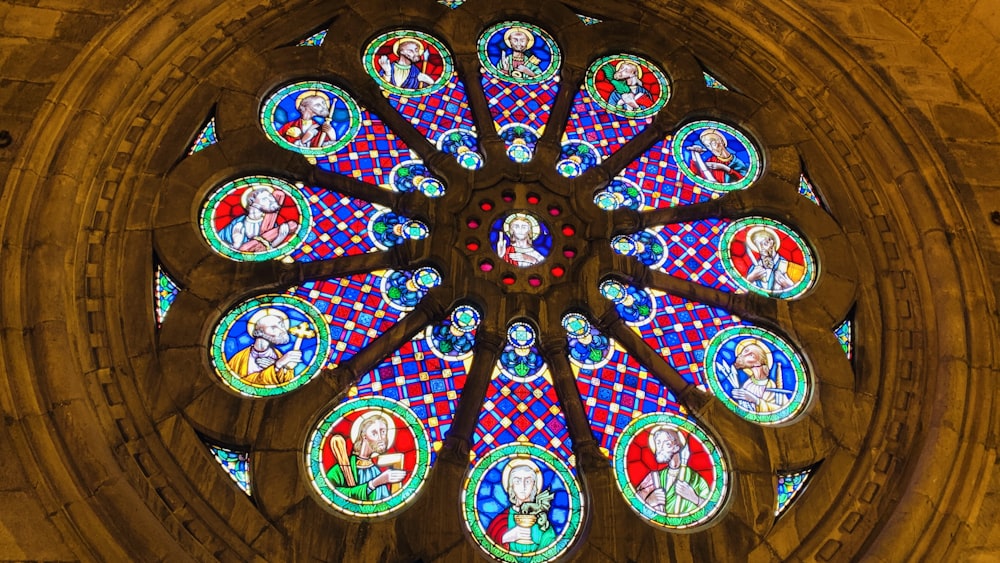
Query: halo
column 712, row 131
column 765, row 229
column 404, row 39
column 390, row 426
column 535, row 229
column 638, row 67
column 261, row 313
column 527, row 33
column 760, row 344
column 522, row 462
column 308, row 93
column 252, row 188
column 662, row 427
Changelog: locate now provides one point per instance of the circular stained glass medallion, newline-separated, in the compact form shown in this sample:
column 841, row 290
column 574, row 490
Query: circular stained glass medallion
column 756, row 374
column 521, row 239
column 408, row 63
column 670, row 471
column 522, row 503
column 766, row 257
column 255, row 218
column 270, row 345
column 368, row 457
column 519, row 52
column 627, row 85
column 311, row 118
column 716, row 156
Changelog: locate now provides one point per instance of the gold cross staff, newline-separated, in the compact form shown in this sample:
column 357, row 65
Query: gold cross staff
column 300, row 332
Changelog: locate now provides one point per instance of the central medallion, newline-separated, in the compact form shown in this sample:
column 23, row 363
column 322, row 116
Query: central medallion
column 519, row 238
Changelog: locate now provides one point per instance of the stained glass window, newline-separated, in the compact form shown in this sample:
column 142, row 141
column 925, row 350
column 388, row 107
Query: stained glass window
column 451, row 3
column 713, row 82
column 443, row 304
column 806, row 189
column 790, row 485
column 235, row 463
column 587, row 20
column 314, row 40
column 844, row 336
column 206, row 137
column 165, row 291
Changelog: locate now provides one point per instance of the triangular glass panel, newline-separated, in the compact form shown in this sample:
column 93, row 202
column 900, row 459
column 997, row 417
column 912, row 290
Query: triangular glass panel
column 314, row 40
column 790, row 486
column 206, row 138
column 165, row 291
column 235, row 463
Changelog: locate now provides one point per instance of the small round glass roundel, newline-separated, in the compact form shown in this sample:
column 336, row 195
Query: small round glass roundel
column 521, row 239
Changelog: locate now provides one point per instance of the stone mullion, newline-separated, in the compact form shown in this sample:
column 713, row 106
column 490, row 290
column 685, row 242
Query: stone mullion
column 458, row 443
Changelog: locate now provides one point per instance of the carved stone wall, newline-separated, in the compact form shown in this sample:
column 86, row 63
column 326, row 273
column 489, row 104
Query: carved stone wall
column 890, row 105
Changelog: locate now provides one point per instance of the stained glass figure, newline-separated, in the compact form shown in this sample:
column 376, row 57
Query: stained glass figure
column 750, row 254
column 235, row 463
column 206, row 138
column 520, row 78
column 522, row 504
column 790, row 486
column 314, row 40
column 670, row 471
column 806, row 189
column 427, row 373
column 368, row 457
column 255, row 218
column 614, row 387
column 323, row 123
column 165, row 291
column 451, row 3
column 844, row 334
column 616, row 102
column 717, row 156
column 346, row 226
column 587, row 20
column 756, row 374
column 713, row 82
column 521, row 403
column 270, row 345
column 521, row 239
column 417, row 75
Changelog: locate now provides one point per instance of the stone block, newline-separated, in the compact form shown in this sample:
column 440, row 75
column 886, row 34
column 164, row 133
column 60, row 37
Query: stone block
column 26, row 21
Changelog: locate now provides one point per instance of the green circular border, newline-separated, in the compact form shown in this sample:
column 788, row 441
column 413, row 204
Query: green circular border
column 267, row 117
column 368, row 61
column 803, row 389
column 725, row 256
column 720, row 490
column 753, row 167
column 469, row 508
column 637, row 114
column 220, row 247
column 221, row 331
column 554, row 65
column 375, row 509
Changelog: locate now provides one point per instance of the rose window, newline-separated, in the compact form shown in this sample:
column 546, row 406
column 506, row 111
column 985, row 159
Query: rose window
column 485, row 250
